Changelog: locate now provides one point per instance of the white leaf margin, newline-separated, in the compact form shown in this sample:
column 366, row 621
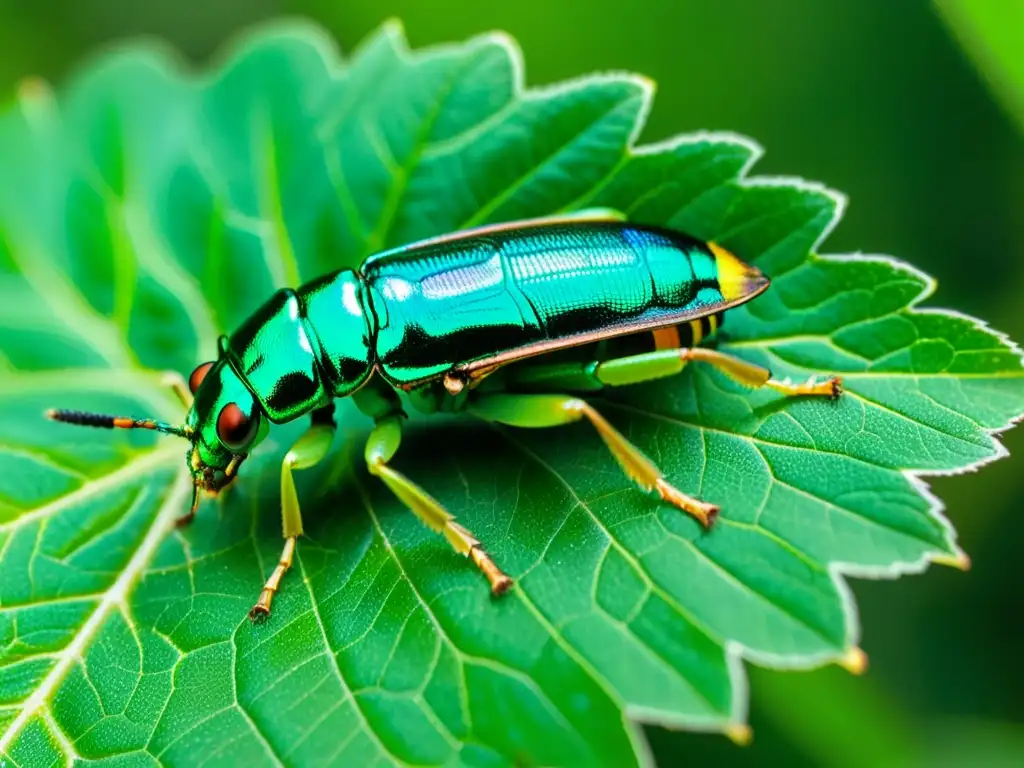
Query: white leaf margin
column 305, row 32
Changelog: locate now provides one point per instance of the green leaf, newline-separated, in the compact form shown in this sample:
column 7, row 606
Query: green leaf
column 145, row 209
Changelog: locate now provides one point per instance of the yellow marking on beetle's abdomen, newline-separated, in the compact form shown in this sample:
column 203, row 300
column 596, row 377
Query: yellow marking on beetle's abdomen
column 697, row 329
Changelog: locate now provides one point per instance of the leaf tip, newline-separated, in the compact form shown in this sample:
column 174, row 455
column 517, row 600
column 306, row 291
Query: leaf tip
column 648, row 84
column 854, row 661
column 959, row 560
column 393, row 29
column 739, row 734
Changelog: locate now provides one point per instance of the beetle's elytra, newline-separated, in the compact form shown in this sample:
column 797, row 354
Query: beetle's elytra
column 464, row 322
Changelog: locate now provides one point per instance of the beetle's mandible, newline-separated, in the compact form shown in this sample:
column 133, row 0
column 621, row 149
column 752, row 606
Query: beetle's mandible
column 479, row 321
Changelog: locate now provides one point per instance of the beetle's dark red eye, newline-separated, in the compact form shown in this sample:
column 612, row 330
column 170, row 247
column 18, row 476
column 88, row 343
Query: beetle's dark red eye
column 198, row 375
column 235, row 428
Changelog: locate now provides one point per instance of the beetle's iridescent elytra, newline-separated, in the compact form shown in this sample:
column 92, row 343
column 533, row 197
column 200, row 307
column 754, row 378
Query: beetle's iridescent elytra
column 469, row 321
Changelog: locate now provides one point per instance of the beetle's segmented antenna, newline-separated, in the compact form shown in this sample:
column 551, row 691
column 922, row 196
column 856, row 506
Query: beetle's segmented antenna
column 103, row 421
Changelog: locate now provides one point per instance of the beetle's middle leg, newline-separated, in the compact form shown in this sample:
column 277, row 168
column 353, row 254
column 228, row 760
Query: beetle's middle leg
column 380, row 448
column 307, row 451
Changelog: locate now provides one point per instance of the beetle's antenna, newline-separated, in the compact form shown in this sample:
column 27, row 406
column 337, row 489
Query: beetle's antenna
column 86, row 419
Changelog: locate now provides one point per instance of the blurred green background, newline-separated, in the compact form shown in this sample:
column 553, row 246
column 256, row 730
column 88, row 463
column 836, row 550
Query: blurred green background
column 875, row 98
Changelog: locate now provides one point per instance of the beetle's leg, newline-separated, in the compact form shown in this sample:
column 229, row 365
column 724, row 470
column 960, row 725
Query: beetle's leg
column 307, row 451
column 755, row 376
column 658, row 364
column 555, row 410
column 176, row 382
column 380, row 448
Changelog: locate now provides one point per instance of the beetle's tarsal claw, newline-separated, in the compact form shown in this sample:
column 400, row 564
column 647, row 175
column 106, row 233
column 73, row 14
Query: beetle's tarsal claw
column 701, row 511
column 830, row 388
column 467, row 544
column 260, row 612
column 499, row 580
column 501, row 586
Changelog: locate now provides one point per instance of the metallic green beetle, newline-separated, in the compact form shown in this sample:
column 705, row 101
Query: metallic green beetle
column 470, row 321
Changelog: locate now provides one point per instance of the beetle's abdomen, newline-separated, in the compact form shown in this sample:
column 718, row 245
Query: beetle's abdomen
column 453, row 301
column 300, row 349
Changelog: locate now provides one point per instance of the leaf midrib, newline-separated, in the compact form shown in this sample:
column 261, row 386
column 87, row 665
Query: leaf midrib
column 113, row 599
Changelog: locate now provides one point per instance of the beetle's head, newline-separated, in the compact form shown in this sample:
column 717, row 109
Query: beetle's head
column 223, row 425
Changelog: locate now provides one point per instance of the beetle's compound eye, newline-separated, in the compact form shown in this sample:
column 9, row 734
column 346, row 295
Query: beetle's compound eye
column 235, row 428
column 198, row 375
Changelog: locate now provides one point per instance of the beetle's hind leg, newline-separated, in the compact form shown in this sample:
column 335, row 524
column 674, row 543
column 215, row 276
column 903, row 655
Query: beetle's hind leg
column 307, row 451
column 546, row 410
column 636, row 369
column 755, row 376
column 380, row 448
column 555, row 410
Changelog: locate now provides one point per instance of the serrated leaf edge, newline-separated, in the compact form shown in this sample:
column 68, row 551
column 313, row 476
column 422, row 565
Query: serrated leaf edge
column 736, row 652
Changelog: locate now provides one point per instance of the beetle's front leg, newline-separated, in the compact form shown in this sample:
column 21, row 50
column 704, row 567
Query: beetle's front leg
column 177, row 384
column 307, row 451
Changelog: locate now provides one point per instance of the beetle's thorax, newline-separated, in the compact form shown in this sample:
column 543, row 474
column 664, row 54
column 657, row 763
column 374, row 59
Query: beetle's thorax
column 303, row 348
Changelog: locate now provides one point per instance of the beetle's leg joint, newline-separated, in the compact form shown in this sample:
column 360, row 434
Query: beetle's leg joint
column 454, row 383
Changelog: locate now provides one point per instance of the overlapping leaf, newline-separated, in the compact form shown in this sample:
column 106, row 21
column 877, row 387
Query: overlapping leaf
column 145, row 210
